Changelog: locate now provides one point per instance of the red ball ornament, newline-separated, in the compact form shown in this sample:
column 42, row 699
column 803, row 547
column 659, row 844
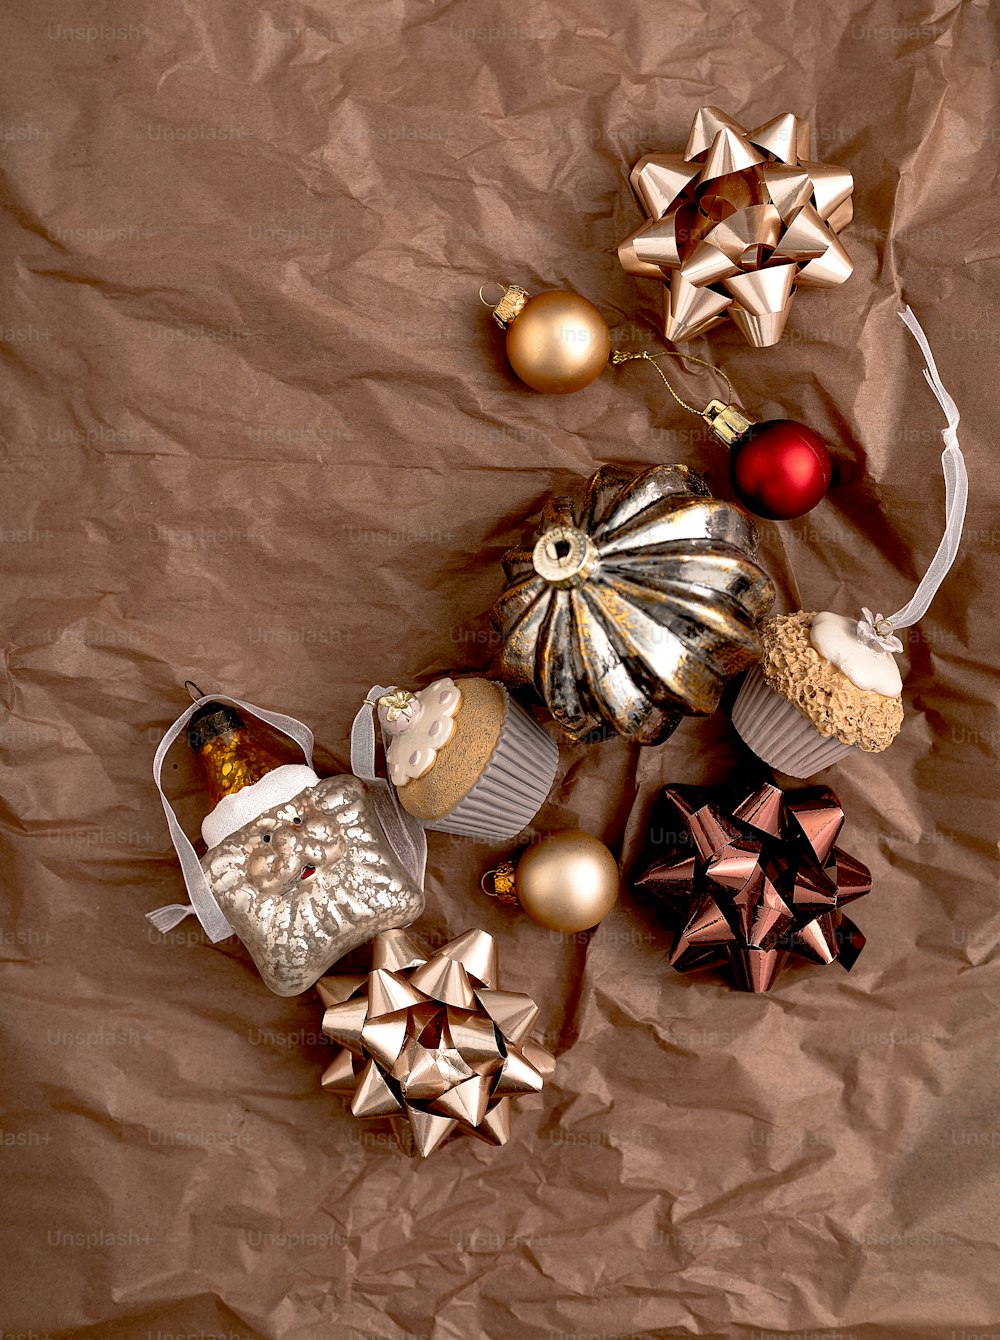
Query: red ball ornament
column 780, row 469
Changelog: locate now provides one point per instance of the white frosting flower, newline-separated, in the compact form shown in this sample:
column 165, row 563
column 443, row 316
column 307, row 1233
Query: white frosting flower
column 875, row 631
column 397, row 711
column 416, row 736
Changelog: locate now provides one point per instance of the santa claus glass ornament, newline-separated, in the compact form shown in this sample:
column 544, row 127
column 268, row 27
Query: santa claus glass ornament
column 302, row 868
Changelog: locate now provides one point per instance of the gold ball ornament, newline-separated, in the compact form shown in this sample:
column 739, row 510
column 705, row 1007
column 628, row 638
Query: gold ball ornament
column 557, row 342
column 567, row 882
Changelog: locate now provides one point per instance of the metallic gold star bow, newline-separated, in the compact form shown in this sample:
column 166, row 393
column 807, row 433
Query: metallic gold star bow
column 431, row 1043
column 738, row 222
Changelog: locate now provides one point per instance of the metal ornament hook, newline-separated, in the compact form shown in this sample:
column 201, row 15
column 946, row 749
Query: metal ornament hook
column 501, row 287
column 502, row 879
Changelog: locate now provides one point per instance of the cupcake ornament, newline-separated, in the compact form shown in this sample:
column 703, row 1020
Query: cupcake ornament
column 827, row 684
column 462, row 756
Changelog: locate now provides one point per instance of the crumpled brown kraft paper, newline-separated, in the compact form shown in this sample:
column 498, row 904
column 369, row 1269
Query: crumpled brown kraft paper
column 259, row 431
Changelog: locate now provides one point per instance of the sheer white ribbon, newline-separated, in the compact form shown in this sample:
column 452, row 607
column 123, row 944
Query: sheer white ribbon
column 877, row 628
column 404, row 834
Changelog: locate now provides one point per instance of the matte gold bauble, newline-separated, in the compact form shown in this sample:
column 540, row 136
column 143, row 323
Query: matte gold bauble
column 557, row 342
column 567, row 882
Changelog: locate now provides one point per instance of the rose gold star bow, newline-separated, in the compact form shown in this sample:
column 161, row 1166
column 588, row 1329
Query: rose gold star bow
column 751, row 879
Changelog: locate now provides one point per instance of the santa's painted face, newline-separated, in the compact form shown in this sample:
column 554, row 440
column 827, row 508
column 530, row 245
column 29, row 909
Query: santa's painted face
column 293, row 842
column 308, row 880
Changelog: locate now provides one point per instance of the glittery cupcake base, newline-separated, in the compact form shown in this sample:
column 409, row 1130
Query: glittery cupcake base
column 513, row 786
column 778, row 733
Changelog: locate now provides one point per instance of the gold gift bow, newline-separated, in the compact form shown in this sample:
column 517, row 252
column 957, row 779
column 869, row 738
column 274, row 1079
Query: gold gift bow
column 738, row 222
column 430, row 1042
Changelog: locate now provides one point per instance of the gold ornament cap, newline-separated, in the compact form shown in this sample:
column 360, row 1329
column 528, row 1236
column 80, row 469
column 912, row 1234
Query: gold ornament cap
column 728, row 422
column 564, row 556
column 502, row 879
column 510, row 305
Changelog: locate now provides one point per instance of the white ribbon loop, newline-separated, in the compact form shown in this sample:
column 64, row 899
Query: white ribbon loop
column 363, row 734
column 956, row 496
column 203, row 904
column 406, row 835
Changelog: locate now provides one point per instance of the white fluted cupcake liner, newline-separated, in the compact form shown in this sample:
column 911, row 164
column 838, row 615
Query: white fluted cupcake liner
column 778, row 733
column 513, row 786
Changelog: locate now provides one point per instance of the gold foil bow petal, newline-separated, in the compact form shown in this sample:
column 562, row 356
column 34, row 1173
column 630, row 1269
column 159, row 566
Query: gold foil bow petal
column 431, row 1043
column 751, row 877
column 737, row 223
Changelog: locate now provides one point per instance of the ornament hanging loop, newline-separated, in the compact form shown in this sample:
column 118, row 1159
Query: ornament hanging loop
column 499, row 883
column 623, row 356
column 491, row 283
column 956, row 496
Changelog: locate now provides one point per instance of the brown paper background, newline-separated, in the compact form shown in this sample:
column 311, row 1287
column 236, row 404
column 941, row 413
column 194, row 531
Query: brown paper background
column 258, row 430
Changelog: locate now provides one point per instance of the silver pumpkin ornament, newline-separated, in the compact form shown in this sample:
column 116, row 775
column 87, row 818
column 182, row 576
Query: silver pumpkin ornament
column 633, row 605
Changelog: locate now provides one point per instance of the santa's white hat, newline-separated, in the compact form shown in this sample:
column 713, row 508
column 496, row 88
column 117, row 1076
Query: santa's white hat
column 241, row 807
